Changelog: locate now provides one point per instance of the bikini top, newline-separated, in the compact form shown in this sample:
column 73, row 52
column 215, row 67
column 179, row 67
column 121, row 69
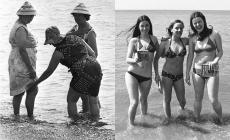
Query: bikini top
column 151, row 47
column 171, row 54
column 207, row 45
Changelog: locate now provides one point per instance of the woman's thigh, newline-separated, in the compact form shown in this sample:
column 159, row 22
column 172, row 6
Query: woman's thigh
column 167, row 87
column 199, row 84
column 73, row 95
column 213, row 87
column 144, row 88
column 132, row 87
column 179, row 89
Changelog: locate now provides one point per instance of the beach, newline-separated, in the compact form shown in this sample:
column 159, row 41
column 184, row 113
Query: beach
column 51, row 100
column 37, row 130
column 150, row 126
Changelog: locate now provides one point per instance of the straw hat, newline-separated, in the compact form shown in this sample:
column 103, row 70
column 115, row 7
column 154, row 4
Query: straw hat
column 81, row 9
column 26, row 9
column 50, row 31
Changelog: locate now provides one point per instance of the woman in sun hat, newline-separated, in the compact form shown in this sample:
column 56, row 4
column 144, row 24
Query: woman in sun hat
column 22, row 60
column 84, row 30
column 74, row 53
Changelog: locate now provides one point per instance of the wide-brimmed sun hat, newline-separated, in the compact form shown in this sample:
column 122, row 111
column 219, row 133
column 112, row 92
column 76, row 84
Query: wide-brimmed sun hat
column 26, row 9
column 81, row 9
column 49, row 34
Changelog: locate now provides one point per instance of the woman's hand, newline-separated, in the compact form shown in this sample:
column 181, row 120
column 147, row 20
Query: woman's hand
column 33, row 74
column 157, row 78
column 31, row 86
column 187, row 79
column 212, row 64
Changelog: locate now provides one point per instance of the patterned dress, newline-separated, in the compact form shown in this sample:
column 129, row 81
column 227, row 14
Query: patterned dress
column 85, row 69
column 18, row 72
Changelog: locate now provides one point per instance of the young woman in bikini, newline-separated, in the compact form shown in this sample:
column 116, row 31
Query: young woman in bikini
column 207, row 45
column 140, row 54
column 174, row 50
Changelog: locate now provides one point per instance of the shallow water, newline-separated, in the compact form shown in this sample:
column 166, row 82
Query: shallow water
column 50, row 103
column 150, row 126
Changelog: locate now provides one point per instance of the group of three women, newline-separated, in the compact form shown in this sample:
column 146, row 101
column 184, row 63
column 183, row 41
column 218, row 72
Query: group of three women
column 145, row 51
column 77, row 50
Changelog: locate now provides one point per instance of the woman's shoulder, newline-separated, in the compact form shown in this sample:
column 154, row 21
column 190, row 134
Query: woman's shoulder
column 134, row 40
column 185, row 40
column 154, row 38
column 215, row 33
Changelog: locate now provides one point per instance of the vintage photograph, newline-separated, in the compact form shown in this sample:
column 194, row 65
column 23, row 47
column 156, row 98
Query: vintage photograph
column 171, row 70
column 57, row 69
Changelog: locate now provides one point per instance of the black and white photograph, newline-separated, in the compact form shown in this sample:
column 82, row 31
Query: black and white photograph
column 57, row 69
column 171, row 70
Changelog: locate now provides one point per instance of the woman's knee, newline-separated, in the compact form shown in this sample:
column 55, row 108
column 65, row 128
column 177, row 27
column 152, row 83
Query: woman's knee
column 143, row 99
column 214, row 101
column 93, row 100
column 182, row 102
column 167, row 99
column 134, row 103
column 72, row 96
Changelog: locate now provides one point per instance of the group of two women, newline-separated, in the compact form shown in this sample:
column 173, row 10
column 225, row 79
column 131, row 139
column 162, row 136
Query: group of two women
column 145, row 51
column 77, row 50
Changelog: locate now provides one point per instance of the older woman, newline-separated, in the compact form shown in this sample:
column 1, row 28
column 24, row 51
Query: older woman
column 84, row 30
column 22, row 60
column 174, row 50
column 74, row 53
column 206, row 44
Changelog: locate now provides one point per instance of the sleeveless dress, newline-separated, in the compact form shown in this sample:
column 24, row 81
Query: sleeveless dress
column 18, row 72
column 74, row 31
column 85, row 69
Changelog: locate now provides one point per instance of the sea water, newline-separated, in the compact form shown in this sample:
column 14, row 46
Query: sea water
column 150, row 126
column 51, row 103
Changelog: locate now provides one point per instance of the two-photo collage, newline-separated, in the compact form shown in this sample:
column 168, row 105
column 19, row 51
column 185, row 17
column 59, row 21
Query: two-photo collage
column 114, row 70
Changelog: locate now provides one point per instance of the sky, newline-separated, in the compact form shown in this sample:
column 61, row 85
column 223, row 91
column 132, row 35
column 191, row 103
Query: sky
column 172, row 5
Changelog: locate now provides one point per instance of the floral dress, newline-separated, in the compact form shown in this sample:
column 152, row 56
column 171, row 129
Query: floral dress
column 18, row 72
column 85, row 69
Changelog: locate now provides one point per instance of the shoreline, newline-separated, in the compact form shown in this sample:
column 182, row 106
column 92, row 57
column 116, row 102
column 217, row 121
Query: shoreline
column 25, row 129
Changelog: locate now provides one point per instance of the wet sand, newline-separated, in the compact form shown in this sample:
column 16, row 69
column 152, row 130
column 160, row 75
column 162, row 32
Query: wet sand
column 24, row 129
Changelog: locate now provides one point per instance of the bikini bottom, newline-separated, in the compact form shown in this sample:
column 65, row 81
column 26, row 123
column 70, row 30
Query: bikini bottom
column 139, row 78
column 172, row 76
column 204, row 75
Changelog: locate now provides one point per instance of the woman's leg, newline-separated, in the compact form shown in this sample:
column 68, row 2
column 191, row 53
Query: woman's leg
column 132, row 87
column 167, row 93
column 180, row 92
column 94, row 108
column 212, row 88
column 16, row 103
column 72, row 98
column 30, row 98
column 85, row 103
column 199, row 84
column 144, row 89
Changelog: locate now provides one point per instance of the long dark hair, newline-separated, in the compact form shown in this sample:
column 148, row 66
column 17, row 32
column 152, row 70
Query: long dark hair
column 135, row 28
column 171, row 26
column 206, row 31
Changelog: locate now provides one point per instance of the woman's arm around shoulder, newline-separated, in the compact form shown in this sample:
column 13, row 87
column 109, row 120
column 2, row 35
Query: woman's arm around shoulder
column 185, row 40
column 190, row 57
